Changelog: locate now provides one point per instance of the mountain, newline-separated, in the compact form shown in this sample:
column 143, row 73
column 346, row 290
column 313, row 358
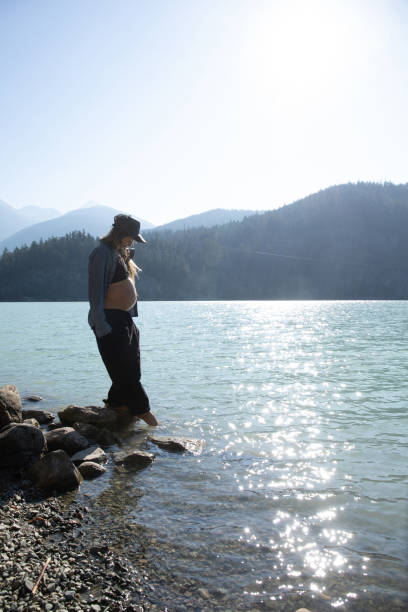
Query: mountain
column 96, row 220
column 210, row 218
column 11, row 220
column 345, row 242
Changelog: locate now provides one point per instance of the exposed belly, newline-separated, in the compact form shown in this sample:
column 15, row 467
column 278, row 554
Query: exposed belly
column 121, row 295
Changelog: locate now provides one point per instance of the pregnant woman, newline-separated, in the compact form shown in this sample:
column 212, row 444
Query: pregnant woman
column 113, row 303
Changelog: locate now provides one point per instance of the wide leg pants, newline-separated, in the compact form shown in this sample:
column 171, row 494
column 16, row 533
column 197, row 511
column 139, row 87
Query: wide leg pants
column 120, row 353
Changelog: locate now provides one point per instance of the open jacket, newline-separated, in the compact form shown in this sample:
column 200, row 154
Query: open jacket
column 101, row 269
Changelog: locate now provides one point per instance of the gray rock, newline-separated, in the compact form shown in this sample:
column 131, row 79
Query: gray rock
column 90, row 469
column 134, row 459
column 10, row 405
column 93, row 415
column 20, row 444
column 85, row 429
column 33, row 398
column 42, row 417
column 32, row 422
column 178, row 445
column 55, row 471
column 93, row 453
column 67, row 439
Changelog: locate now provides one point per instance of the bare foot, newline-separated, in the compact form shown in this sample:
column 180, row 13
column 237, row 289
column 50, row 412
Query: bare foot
column 149, row 418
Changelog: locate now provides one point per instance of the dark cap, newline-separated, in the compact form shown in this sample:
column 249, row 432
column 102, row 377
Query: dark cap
column 128, row 226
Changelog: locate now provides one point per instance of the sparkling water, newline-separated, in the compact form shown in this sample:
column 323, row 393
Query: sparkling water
column 300, row 496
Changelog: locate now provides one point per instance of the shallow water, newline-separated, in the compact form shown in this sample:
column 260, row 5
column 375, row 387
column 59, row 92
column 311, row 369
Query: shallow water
column 300, row 497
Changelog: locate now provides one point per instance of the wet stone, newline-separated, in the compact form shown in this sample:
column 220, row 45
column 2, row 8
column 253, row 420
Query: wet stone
column 93, row 454
column 178, row 444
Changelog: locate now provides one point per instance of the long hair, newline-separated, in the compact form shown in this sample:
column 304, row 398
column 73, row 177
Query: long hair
column 113, row 239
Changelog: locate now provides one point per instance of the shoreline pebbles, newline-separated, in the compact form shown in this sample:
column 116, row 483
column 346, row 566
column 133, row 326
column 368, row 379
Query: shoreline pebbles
column 82, row 570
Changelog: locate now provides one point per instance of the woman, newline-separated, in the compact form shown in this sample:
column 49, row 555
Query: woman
column 113, row 303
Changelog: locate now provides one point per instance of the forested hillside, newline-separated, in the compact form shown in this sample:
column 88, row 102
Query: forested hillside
column 345, row 242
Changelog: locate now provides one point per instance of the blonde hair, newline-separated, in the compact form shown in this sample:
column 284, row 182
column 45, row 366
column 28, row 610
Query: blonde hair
column 114, row 238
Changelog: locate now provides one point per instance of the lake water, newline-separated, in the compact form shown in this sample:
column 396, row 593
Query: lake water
column 300, row 496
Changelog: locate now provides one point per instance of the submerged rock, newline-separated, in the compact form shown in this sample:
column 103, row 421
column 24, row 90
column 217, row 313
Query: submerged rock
column 90, row 469
column 93, row 415
column 10, row 405
column 20, row 444
column 42, row 417
column 67, row 439
column 55, row 471
column 134, row 459
column 33, row 398
column 93, row 453
column 178, row 445
column 85, row 429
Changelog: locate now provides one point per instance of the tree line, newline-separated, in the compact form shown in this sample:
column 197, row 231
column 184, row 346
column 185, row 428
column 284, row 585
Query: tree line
column 345, row 242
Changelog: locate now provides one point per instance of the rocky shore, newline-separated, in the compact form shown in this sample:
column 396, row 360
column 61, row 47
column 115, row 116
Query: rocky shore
column 54, row 553
column 51, row 559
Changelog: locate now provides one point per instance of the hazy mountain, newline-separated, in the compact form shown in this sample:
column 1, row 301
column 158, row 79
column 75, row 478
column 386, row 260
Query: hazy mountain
column 345, row 242
column 10, row 220
column 96, row 220
column 217, row 216
column 14, row 219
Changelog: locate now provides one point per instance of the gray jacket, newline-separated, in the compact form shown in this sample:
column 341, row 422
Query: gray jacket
column 101, row 269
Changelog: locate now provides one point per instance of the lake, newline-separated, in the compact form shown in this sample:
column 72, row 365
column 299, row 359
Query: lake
column 300, row 496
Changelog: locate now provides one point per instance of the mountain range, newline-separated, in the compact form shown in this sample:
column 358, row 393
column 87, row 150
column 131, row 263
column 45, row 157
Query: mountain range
column 94, row 219
column 345, row 242
column 13, row 219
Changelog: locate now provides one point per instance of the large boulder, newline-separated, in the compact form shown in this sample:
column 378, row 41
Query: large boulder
column 93, row 453
column 67, row 439
column 40, row 415
column 20, row 444
column 93, row 415
column 55, row 471
column 178, row 445
column 10, row 405
column 134, row 459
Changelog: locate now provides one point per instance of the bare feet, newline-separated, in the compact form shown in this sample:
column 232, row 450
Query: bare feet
column 149, row 418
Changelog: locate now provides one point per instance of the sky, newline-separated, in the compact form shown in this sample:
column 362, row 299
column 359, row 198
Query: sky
column 168, row 108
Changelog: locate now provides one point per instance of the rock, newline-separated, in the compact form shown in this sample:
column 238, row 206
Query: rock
column 53, row 426
column 106, row 438
column 93, row 453
column 178, row 445
column 85, row 429
column 32, row 422
column 41, row 416
column 302, row 610
column 90, row 469
column 134, row 459
column 33, row 398
column 55, row 471
column 20, row 444
column 10, row 405
column 93, row 415
column 67, row 439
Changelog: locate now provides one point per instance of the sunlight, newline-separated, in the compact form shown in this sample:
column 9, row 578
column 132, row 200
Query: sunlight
column 298, row 47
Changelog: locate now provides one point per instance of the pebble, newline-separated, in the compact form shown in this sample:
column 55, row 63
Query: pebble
column 64, row 533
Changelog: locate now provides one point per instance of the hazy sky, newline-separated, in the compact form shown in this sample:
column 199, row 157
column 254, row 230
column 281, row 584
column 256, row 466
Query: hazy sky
column 167, row 108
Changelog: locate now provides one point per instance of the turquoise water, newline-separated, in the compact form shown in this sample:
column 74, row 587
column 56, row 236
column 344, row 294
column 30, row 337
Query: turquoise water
column 301, row 493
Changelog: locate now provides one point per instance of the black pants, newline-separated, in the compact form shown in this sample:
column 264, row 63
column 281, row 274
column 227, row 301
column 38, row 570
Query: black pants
column 121, row 355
